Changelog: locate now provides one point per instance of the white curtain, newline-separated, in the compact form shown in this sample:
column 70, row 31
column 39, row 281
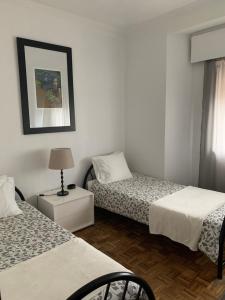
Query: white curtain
column 212, row 160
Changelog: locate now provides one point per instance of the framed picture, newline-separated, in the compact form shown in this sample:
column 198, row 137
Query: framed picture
column 46, row 85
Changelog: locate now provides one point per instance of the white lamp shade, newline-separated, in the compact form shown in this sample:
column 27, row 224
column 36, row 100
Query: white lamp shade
column 61, row 158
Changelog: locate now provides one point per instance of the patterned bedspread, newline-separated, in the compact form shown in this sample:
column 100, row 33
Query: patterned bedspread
column 31, row 234
column 28, row 235
column 117, row 289
column 133, row 197
column 209, row 239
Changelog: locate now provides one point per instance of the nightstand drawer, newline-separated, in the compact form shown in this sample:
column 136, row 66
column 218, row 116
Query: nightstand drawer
column 75, row 207
column 77, row 221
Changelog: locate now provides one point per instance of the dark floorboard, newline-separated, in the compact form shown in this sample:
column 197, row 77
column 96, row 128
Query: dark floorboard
column 172, row 270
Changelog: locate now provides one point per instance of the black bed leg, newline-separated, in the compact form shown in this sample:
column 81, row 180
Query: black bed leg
column 220, row 271
column 220, row 261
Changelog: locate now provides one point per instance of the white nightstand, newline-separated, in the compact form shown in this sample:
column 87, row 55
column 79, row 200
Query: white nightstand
column 73, row 212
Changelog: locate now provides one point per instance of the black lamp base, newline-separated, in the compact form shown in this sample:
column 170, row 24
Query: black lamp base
column 63, row 193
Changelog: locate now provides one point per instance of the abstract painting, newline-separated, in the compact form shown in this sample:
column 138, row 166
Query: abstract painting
column 48, row 88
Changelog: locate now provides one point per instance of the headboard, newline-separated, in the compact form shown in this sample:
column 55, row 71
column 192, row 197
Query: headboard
column 20, row 194
column 90, row 175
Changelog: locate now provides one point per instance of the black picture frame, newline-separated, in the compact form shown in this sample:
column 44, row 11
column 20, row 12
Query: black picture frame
column 21, row 44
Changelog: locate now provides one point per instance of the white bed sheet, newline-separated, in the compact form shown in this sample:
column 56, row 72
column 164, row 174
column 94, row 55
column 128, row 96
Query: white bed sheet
column 180, row 215
column 56, row 274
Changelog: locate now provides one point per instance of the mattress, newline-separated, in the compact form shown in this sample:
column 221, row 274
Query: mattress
column 37, row 255
column 180, row 216
column 69, row 267
column 28, row 235
column 132, row 197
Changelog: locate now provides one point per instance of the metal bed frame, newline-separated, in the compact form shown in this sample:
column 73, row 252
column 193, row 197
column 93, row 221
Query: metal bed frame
column 90, row 175
column 20, row 194
column 107, row 280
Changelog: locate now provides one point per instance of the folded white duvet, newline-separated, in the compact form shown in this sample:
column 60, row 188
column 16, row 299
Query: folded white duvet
column 180, row 215
column 56, row 274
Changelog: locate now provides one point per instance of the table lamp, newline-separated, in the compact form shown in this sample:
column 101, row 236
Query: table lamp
column 60, row 159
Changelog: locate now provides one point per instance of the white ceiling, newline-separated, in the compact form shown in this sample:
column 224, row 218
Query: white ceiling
column 118, row 12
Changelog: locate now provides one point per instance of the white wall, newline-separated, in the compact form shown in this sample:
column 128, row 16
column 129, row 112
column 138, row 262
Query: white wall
column 98, row 58
column 144, row 124
column 99, row 83
column 196, row 120
column 184, row 91
column 178, row 146
column 156, row 91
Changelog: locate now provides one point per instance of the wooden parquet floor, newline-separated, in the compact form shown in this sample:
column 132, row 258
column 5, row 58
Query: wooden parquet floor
column 172, row 270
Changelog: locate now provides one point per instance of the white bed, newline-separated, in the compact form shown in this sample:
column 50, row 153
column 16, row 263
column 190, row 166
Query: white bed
column 41, row 260
column 180, row 216
column 57, row 273
column 140, row 198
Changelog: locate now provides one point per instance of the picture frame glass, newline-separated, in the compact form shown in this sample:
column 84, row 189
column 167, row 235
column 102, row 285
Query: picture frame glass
column 47, row 88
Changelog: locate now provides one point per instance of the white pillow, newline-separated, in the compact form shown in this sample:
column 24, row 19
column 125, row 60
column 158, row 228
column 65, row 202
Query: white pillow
column 8, row 206
column 110, row 168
